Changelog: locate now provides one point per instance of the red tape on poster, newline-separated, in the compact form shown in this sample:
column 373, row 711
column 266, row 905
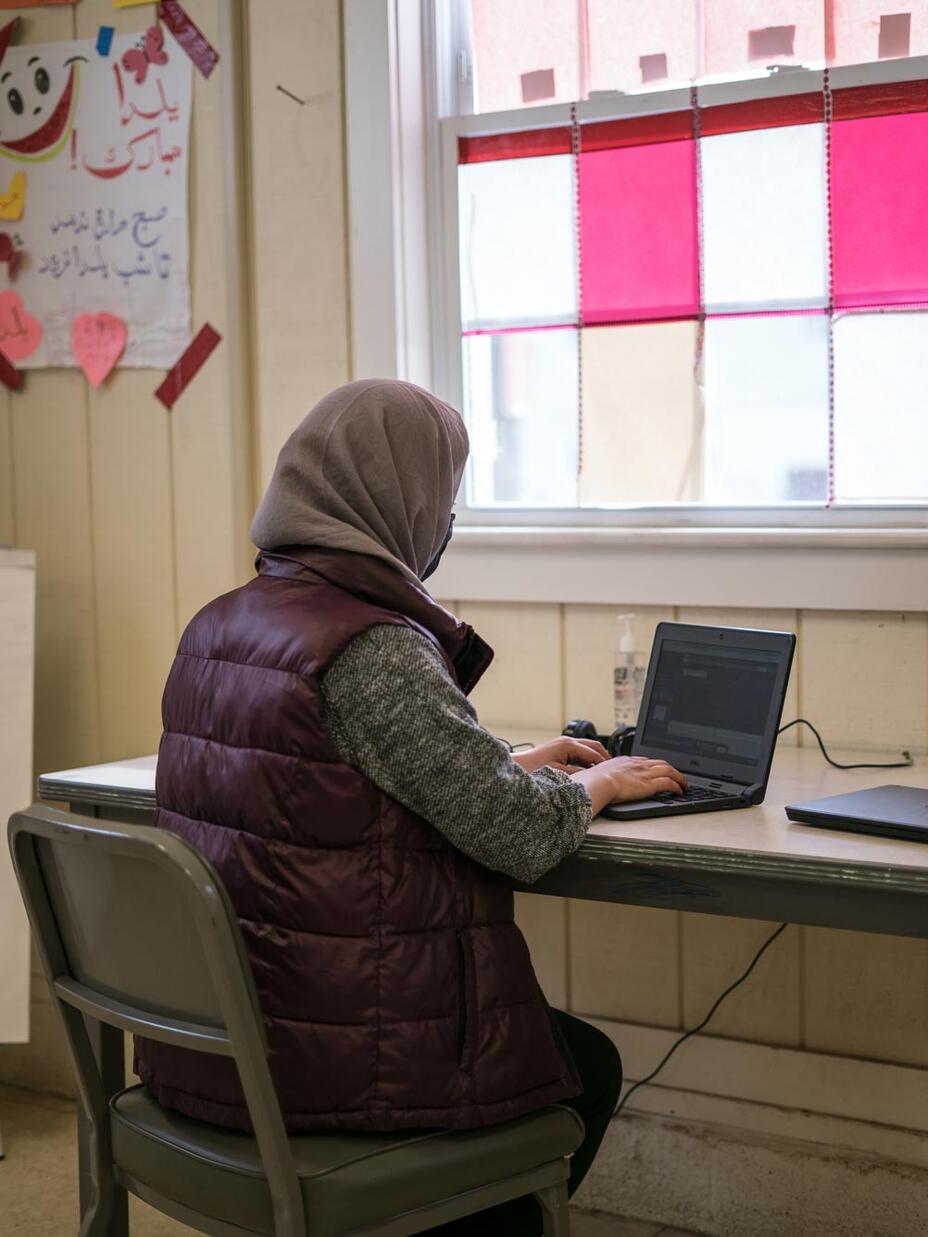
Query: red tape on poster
column 184, row 370
column 190, row 37
column 9, row 375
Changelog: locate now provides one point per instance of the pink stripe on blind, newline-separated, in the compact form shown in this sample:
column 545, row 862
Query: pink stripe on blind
column 852, row 103
column 524, row 144
column 638, row 233
column 879, row 208
column 637, row 131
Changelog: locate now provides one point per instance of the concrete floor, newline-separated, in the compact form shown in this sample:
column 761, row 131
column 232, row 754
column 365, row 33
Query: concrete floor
column 38, row 1180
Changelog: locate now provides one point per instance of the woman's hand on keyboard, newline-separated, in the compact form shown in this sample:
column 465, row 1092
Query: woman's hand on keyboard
column 563, row 753
column 627, row 778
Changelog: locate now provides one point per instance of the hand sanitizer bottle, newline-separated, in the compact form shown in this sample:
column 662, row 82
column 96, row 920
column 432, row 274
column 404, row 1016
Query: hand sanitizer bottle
column 628, row 676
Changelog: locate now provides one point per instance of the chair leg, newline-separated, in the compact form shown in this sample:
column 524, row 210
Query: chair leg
column 108, row 1215
column 104, row 1203
column 555, row 1211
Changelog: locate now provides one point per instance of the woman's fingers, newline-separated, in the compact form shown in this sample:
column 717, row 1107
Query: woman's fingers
column 661, row 769
column 657, row 784
column 589, row 749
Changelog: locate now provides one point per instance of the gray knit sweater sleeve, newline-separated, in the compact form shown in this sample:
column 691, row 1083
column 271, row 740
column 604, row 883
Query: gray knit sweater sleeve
column 393, row 712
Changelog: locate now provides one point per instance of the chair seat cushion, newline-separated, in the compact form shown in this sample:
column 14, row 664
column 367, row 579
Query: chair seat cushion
column 348, row 1181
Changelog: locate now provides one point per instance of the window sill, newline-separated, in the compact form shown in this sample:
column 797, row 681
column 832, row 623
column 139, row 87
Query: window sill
column 783, row 568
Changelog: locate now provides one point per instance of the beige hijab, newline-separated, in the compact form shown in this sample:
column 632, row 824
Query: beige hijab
column 374, row 468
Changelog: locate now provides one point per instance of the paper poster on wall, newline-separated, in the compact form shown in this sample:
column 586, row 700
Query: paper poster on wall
column 105, row 146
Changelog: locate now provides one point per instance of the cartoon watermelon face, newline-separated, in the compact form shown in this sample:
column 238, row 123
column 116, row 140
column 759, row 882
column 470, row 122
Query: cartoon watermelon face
column 38, row 102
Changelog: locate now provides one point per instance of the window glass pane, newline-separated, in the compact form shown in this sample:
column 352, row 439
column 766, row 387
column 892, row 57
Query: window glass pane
column 526, row 53
column 517, row 242
column 766, row 402
column 752, row 34
column 866, row 30
column 881, row 408
column 642, row 43
column 638, row 233
column 520, row 397
column 764, row 218
column 879, row 208
column 641, row 428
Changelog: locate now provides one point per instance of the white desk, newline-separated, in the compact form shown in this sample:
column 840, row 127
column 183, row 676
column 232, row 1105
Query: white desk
column 751, row 863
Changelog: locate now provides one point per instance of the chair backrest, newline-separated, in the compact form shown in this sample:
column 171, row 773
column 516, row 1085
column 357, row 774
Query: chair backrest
column 134, row 928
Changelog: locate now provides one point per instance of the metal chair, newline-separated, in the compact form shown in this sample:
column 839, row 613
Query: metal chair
column 135, row 930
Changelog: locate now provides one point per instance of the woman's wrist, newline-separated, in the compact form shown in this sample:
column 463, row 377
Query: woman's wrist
column 530, row 761
column 599, row 784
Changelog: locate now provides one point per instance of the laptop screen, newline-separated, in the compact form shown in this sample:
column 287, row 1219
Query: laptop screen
column 712, row 704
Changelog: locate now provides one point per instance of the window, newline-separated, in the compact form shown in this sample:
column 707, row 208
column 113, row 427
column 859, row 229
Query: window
column 690, row 260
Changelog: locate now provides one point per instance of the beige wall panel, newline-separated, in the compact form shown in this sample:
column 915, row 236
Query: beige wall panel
column 47, row 419
column 41, row 25
column 590, row 637
column 89, row 15
column 53, row 517
column 641, row 421
column 773, row 620
column 131, row 483
column 866, row 995
column 134, row 557
column 766, row 1007
column 45, row 504
column 7, row 518
column 213, row 484
column 624, row 963
column 522, row 688
column 43, row 1064
column 864, row 678
column 299, row 215
column 543, row 924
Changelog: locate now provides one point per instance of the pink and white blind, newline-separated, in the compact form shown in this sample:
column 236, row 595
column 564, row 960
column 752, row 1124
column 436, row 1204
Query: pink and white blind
column 724, row 271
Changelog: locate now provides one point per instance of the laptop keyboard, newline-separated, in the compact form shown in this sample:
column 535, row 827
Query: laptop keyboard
column 692, row 794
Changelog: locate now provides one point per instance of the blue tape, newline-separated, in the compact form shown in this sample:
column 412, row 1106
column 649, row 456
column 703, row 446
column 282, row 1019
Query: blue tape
column 105, row 40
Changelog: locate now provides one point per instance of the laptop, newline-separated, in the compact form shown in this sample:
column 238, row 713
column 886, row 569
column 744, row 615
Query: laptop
column 711, row 708
column 890, row 811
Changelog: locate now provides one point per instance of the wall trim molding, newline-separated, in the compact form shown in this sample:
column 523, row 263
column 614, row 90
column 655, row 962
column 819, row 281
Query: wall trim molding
column 850, row 569
column 871, row 1107
column 702, row 1176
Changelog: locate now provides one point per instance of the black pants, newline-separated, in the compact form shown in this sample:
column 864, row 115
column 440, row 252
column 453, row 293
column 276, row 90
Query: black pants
column 600, row 1069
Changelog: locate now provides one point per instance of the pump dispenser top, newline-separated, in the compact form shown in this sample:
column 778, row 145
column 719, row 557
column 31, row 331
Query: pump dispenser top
column 627, row 635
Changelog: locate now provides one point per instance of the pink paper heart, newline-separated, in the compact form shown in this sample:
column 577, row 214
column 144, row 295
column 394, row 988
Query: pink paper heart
column 97, row 341
column 20, row 333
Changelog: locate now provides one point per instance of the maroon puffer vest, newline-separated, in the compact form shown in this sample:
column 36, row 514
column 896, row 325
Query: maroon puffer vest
column 396, row 990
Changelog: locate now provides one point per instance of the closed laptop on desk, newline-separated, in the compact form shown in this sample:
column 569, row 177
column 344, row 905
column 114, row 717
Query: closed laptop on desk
column 891, row 811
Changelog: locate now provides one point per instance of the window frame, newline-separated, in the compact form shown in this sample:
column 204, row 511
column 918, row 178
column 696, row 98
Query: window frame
column 652, row 102
column 405, row 322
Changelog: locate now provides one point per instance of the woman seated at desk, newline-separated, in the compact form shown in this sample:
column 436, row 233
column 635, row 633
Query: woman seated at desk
column 319, row 749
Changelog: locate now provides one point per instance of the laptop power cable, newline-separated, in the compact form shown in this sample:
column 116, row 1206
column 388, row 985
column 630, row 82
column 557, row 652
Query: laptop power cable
column 904, row 763
column 695, row 1030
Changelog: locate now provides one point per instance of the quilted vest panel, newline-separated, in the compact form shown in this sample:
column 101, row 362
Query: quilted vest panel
column 396, row 989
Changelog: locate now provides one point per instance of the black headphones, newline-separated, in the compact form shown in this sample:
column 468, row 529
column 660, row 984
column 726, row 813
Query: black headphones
column 619, row 743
